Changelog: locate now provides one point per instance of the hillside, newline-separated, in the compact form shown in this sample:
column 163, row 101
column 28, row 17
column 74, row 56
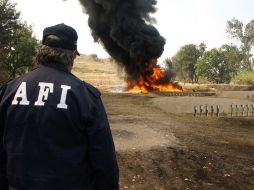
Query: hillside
column 102, row 73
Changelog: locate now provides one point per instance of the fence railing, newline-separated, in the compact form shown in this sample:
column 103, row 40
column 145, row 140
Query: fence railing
column 215, row 110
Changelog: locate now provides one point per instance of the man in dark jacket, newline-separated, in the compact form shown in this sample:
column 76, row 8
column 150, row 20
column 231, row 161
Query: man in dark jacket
column 54, row 132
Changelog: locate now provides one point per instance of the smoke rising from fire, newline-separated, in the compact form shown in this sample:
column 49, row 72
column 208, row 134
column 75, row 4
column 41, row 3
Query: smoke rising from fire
column 124, row 27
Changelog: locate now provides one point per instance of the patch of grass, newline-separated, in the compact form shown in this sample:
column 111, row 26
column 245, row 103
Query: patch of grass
column 246, row 77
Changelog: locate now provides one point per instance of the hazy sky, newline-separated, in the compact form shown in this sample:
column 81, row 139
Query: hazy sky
column 180, row 21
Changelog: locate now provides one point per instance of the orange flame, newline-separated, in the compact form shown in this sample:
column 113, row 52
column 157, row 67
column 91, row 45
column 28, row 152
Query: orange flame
column 156, row 81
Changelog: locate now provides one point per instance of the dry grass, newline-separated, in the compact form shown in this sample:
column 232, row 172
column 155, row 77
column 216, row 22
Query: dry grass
column 103, row 74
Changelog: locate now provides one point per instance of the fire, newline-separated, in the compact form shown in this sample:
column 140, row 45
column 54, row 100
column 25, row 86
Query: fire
column 153, row 79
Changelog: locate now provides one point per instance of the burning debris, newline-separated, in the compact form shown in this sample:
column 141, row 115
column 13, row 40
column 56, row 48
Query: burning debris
column 152, row 79
column 125, row 30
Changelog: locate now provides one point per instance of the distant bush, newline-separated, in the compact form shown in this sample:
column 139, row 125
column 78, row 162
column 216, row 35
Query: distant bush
column 94, row 57
column 245, row 77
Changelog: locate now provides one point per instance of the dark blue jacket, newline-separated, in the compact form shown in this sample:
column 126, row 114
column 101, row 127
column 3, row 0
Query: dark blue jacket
column 54, row 134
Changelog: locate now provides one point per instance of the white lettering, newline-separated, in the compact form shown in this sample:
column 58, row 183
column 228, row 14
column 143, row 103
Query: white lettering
column 62, row 104
column 45, row 89
column 21, row 94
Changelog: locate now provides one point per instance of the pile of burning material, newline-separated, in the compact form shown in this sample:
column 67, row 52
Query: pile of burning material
column 153, row 79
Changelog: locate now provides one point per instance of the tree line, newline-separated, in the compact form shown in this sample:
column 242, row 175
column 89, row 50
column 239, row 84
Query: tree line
column 17, row 43
column 218, row 65
column 191, row 63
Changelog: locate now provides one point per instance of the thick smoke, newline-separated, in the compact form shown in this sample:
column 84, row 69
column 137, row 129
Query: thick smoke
column 124, row 28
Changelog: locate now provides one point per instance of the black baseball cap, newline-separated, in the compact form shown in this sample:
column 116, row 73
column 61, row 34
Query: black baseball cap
column 66, row 37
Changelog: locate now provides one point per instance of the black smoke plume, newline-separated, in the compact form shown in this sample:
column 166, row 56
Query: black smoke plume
column 124, row 27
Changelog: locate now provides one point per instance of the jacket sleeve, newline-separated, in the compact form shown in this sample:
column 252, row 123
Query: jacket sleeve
column 102, row 154
column 3, row 174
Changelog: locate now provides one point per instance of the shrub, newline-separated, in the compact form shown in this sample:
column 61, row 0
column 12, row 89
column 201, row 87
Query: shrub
column 245, row 77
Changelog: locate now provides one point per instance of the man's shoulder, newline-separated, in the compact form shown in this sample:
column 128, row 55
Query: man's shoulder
column 4, row 85
column 92, row 90
column 2, row 90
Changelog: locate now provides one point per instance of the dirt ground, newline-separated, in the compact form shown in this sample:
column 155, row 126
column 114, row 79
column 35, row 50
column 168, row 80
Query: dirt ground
column 161, row 145
column 162, row 150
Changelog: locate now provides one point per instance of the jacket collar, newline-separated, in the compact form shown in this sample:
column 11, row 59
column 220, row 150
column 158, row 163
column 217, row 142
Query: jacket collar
column 54, row 65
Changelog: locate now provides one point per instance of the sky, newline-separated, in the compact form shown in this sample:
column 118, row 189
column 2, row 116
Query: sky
column 180, row 22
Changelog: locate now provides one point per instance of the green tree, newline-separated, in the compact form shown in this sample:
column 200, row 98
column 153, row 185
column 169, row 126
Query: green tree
column 232, row 58
column 245, row 36
column 17, row 45
column 220, row 65
column 185, row 60
column 8, row 24
column 22, row 52
column 202, row 47
column 209, row 66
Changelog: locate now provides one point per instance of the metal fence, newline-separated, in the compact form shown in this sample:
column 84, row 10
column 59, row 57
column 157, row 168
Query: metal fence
column 215, row 110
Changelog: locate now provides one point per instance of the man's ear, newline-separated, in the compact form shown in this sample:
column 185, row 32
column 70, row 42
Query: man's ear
column 74, row 54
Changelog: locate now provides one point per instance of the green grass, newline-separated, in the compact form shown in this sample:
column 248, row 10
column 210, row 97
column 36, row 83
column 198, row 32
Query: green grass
column 245, row 77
